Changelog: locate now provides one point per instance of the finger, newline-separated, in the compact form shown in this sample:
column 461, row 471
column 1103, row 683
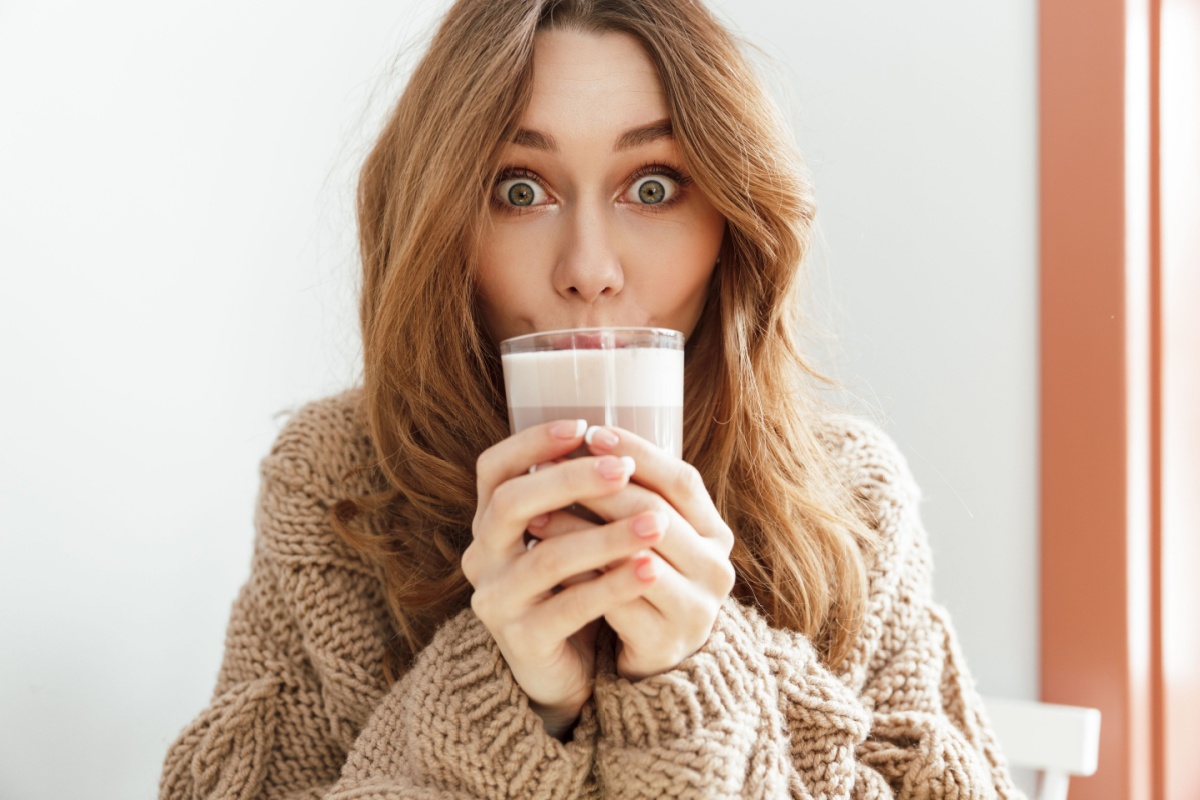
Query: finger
column 535, row 445
column 521, row 500
column 648, row 527
column 545, row 464
column 561, row 561
column 574, row 579
column 646, row 523
column 580, row 578
column 678, row 482
column 673, row 598
column 669, row 622
column 700, row 560
column 681, row 546
column 638, row 624
column 558, row 523
column 561, row 615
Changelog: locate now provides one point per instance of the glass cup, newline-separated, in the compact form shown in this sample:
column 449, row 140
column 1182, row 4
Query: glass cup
column 631, row 378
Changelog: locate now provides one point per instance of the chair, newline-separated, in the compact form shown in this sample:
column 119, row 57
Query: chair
column 1059, row 741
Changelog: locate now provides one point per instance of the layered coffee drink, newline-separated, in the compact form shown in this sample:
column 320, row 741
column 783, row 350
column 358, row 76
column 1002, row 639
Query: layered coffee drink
column 631, row 378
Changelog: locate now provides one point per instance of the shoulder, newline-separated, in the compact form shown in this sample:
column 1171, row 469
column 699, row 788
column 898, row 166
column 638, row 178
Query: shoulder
column 320, row 447
column 875, row 471
column 899, row 563
column 328, row 592
column 868, row 462
column 322, row 455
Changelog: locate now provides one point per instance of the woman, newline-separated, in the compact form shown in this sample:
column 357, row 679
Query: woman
column 753, row 620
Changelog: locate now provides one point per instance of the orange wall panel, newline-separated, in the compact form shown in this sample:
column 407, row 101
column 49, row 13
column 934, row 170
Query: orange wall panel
column 1119, row 136
column 1086, row 589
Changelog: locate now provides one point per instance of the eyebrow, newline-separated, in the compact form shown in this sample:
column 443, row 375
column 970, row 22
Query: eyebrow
column 634, row 137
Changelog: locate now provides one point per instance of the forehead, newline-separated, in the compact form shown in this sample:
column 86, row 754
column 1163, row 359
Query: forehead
column 592, row 83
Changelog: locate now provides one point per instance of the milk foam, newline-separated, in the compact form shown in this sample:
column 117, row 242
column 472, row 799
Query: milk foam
column 629, row 376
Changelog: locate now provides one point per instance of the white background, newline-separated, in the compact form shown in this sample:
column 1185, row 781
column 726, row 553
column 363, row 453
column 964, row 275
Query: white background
column 177, row 268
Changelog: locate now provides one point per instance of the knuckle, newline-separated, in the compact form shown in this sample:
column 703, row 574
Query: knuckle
column 687, row 480
column 485, row 464
column 725, row 536
column 726, row 577
column 548, row 560
column 480, row 604
column 721, row 535
column 480, row 528
column 727, row 547
column 717, row 576
column 469, row 557
column 503, row 499
column 661, row 506
column 491, row 604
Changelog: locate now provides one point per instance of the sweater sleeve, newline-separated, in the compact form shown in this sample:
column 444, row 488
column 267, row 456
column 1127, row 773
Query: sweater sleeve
column 292, row 688
column 275, row 726
column 301, row 707
column 755, row 713
column 458, row 725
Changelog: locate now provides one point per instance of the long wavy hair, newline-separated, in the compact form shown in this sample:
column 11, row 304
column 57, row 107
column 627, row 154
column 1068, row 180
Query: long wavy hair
column 433, row 391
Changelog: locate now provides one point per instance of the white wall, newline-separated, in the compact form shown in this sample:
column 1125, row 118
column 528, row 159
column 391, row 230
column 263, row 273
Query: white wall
column 918, row 121
column 177, row 265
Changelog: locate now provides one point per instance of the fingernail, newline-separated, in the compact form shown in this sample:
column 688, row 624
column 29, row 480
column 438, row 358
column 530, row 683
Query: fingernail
column 613, row 468
column 648, row 527
column 601, row 437
column 539, row 520
column 568, row 429
column 646, row 569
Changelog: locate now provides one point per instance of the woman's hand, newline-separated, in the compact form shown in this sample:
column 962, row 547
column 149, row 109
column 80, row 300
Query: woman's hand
column 548, row 636
column 674, row 617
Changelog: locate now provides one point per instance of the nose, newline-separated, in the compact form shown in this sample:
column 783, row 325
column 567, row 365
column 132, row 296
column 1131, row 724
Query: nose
column 588, row 265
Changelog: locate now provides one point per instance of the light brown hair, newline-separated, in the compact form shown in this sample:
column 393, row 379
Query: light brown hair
column 433, row 388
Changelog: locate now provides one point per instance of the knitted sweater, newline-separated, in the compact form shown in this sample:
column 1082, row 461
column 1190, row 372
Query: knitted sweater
column 301, row 707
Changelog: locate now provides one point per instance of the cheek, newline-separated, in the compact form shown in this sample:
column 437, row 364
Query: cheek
column 508, row 264
column 681, row 264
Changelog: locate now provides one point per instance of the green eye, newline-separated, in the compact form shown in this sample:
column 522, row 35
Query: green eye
column 652, row 192
column 521, row 194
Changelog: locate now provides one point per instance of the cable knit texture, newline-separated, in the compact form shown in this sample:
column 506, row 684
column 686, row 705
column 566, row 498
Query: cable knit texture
column 301, row 707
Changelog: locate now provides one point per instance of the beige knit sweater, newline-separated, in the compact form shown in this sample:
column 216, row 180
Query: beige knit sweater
column 302, row 710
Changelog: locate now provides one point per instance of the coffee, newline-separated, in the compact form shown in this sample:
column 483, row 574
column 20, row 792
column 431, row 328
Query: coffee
column 639, row 389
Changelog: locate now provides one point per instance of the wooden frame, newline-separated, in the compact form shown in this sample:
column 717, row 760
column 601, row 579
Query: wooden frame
column 1120, row 382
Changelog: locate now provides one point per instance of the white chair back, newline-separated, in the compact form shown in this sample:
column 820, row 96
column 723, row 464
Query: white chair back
column 1058, row 741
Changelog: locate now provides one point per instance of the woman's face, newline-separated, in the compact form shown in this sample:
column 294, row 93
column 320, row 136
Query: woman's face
column 594, row 220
